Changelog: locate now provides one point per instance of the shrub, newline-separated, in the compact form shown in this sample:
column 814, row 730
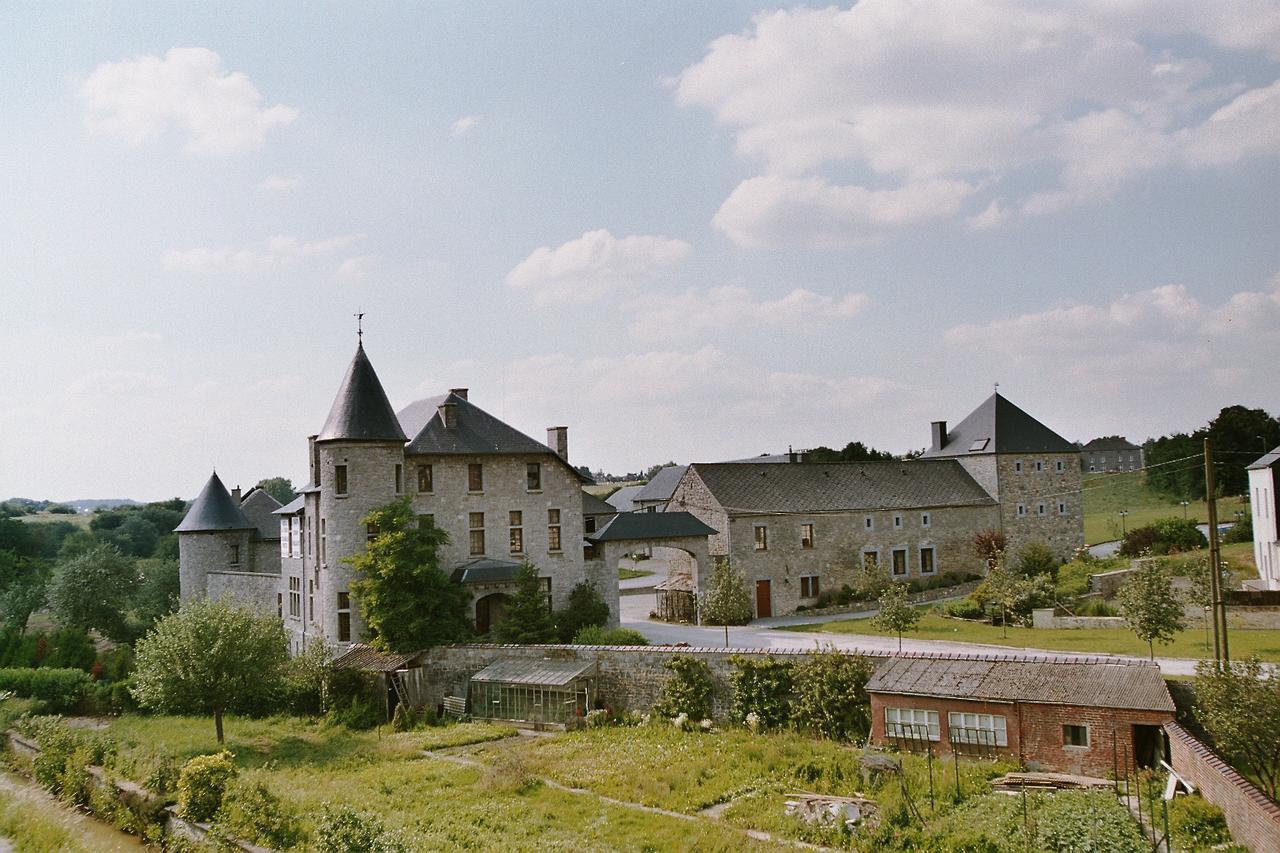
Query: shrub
column 831, row 698
column 988, row 545
column 688, row 690
column 352, row 700
column 59, row 689
column 1095, row 607
column 201, row 784
column 586, row 609
column 251, row 812
column 306, row 679
column 965, row 608
column 761, row 687
column 594, row 635
column 1166, row 536
column 403, row 719
column 1241, row 531
column 1196, row 823
column 342, row 829
column 1035, row 558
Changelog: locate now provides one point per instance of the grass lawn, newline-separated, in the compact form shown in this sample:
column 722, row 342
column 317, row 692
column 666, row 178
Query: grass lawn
column 34, row 821
column 79, row 519
column 628, row 574
column 1106, row 494
column 1188, row 644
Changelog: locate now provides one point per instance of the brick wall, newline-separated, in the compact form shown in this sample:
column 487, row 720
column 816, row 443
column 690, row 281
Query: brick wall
column 1254, row 820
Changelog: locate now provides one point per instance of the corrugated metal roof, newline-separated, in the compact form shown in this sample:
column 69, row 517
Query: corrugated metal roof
column 548, row 673
column 369, row 659
column 765, row 487
column 213, row 509
column 651, row 525
column 1122, row 684
column 1006, row 428
column 361, row 410
column 663, row 484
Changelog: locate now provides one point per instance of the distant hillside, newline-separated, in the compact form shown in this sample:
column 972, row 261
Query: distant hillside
column 83, row 505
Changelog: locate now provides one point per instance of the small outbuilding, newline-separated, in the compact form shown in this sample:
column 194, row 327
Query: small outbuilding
column 1076, row 715
column 534, row 691
column 390, row 675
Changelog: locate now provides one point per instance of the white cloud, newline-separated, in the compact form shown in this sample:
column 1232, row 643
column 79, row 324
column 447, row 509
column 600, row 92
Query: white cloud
column 464, row 124
column 1062, row 103
column 733, row 308
column 277, row 183
column 355, row 268
column 274, row 253
column 594, row 263
column 189, row 89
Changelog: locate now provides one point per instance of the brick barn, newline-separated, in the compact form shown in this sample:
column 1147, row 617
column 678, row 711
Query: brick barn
column 1072, row 715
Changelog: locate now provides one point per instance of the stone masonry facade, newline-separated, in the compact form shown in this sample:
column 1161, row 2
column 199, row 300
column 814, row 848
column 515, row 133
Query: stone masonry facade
column 1040, row 501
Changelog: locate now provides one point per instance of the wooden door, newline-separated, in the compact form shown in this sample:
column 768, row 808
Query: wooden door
column 764, row 599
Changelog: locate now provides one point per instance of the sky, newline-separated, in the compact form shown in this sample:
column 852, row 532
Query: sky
column 690, row 232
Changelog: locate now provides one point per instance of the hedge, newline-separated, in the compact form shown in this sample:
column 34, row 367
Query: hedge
column 60, row 689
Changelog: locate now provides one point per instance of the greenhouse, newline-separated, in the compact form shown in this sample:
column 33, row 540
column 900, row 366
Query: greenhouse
column 533, row 691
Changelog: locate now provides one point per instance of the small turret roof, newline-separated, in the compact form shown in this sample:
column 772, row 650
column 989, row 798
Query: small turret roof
column 214, row 509
column 361, row 411
column 998, row 426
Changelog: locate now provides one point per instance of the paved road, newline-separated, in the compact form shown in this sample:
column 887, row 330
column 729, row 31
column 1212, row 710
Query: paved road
column 764, row 634
column 657, row 565
column 1108, row 549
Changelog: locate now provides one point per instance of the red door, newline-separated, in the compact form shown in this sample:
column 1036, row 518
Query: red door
column 764, row 599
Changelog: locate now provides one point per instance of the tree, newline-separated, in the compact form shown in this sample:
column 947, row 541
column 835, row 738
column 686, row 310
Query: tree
column 989, row 545
column 94, row 591
column 209, row 656
column 1239, row 706
column 585, row 609
column 23, row 582
column 280, row 488
column 1001, row 589
column 407, row 602
column 895, row 614
column 528, row 618
column 1150, row 606
column 156, row 594
column 831, row 695
column 854, row 451
column 726, row 600
column 1035, row 558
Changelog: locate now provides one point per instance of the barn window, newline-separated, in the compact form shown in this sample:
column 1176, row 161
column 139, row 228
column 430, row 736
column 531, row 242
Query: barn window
column 1075, row 735
column 911, row 723
column 985, row 729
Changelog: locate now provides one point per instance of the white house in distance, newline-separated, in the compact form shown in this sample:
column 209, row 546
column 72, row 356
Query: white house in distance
column 1265, row 504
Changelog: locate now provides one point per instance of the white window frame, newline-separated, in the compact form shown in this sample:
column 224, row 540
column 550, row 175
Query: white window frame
column 1022, row 510
column 899, row 721
column 1039, row 465
column 813, row 535
column 1042, row 509
column 1017, row 466
column 994, row 723
column 1059, row 465
column 1062, row 508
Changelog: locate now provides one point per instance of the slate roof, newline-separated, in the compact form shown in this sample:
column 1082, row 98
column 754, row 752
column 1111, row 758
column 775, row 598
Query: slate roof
column 1266, row 461
column 477, row 432
column 650, row 525
column 291, row 507
column 1123, row 684
column 1006, row 429
column 549, row 673
column 663, row 484
column 1111, row 442
column 592, row 505
column 369, row 659
column 213, row 509
column 259, row 508
column 485, row 570
column 623, row 500
column 361, row 410
column 828, row 487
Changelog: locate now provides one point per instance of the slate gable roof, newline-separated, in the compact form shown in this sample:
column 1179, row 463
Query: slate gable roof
column 592, row 505
column 361, row 410
column 1110, row 442
column 1006, row 429
column 213, row 509
column 477, row 432
column 1265, row 461
column 765, row 487
column 259, row 508
column 663, row 485
column 624, row 499
column 1124, row 684
column 651, row 525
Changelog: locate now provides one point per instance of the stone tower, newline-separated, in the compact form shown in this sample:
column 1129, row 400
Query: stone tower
column 213, row 537
column 359, row 459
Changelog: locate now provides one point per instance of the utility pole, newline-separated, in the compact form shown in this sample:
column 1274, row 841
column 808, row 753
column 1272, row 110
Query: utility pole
column 1215, row 563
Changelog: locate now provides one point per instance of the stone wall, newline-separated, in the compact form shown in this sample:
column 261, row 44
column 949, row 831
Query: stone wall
column 691, row 495
column 247, row 589
column 1044, row 618
column 1032, row 490
column 203, row 552
column 1254, row 820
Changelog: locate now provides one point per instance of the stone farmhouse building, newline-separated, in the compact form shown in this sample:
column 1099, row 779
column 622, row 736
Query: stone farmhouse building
column 1264, row 503
column 798, row 529
column 501, row 496
column 1112, row 453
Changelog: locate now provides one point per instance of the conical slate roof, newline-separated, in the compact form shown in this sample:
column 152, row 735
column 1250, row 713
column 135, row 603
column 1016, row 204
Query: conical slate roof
column 361, row 411
column 998, row 426
column 214, row 509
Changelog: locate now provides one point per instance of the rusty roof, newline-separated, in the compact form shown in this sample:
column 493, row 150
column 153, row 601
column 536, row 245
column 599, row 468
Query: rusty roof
column 369, row 659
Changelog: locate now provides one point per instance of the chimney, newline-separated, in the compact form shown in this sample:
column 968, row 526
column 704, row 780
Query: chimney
column 449, row 415
column 313, row 453
column 558, row 440
column 939, row 435
column 461, row 392
column 235, row 494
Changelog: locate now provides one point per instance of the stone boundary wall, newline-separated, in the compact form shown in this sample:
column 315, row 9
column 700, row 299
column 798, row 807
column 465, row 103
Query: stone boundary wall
column 1043, row 617
column 1254, row 820
column 927, row 596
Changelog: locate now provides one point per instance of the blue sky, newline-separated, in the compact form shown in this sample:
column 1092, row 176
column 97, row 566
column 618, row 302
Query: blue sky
column 688, row 233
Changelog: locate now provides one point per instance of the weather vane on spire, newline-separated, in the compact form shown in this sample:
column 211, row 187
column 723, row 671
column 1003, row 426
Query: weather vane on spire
column 359, row 325
column 997, row 384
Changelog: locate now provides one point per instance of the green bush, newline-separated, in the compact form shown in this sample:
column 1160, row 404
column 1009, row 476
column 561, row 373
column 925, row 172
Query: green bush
column 586, row 609
column 1241, row 531
column 761, row 687
column 59, row 689
column 688, row 690
column 1035, row 558
column 353, row 702
column 594, row 635
column 342, row 829
column 965, row 608
column 307, row 679
column 1197, row 823
column 1095, row 607
column 830, row 695
column 201, row 784
column 250, row 811
column 403, row 719
column 1166, row 536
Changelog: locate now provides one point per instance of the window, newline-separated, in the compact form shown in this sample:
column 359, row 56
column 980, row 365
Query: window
column 399, row 479
column 806, row 537
column 589, row 524
column 762, row 537
column 323, row 550
column 1040, row 509
column 984, row 729
column 475, row 521
column 426, row 520
column 295, row 597
column 280, row 604
column 475, row 477
column 311, row 600
column 1075, row 735
column 868, row 523
column 533, row 476
column 897, row 522
column 924, row 519
column 1062, row 508
column 553, row 531
column 1022, row 510
column 340, row 479
column 235, row 555
column 927, row 563
column 1059, row 466
column 1017, row 466
column 1039, row 465
column 1091, row 468
column 899, row 561
column 911, row 722
column 424, row 479
column 370, row 532
column 808, row 586
column 344, row 617
column 516, row 522
column 870, row 558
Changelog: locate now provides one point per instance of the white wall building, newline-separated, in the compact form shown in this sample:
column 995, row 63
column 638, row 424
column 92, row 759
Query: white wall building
column 1265, row 503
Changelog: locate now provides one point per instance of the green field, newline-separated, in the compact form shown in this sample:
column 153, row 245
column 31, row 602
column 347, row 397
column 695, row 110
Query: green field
column 1105, row 495
column 628, row 574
